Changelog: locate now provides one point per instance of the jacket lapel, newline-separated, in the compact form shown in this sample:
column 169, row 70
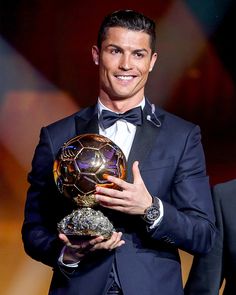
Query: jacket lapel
column 144, row 139
column 87, row 121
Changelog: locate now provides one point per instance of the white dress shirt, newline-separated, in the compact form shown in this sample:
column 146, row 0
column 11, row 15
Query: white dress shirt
column 122, row 132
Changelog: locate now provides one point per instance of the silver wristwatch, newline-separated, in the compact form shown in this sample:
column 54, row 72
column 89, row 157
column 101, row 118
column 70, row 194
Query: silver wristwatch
column 152, row 213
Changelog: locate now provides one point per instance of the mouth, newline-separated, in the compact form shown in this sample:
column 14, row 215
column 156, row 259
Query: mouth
column 125, row 77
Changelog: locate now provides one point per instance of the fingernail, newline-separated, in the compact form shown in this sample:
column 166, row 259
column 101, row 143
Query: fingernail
column 97, row 188
column 105, row 176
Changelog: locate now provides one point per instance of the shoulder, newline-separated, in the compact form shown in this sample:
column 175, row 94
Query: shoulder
column 225, row 191
column 64, row 129
column 62, row 122
column 173, row 120
column 69, row 121
column 177, row 127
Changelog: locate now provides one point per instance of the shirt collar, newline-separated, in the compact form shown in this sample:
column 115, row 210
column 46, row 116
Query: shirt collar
column 102, row 107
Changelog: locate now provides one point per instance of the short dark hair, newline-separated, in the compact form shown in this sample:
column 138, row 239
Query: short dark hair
column 131, row 20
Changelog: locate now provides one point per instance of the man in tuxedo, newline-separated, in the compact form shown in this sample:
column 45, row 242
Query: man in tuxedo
column 209, row 270
column 163, row 205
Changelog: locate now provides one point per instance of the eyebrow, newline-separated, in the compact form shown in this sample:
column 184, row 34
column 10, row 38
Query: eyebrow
column 120, row 48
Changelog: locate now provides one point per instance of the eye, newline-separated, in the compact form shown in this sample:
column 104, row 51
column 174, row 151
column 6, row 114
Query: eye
column 139, row 55
column 115, row 51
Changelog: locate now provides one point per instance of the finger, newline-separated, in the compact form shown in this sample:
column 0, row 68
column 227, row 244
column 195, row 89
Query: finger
column 110, row 197
column 118, row 181
column 107, row 200
column 109, row 192
column 97, row 240
column 116, row 239
column 83, row 246
column 86, row 244
column 117, row 244
column 109, row 248
column 111, row 203
column 108, row 244
column 136, row 173
column 64, row 238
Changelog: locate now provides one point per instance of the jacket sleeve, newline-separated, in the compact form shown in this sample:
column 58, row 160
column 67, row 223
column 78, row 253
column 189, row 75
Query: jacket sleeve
column 42, row 210
column 188, row 221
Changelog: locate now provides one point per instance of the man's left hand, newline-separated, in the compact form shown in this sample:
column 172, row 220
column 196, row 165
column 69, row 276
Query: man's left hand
column 132, row 198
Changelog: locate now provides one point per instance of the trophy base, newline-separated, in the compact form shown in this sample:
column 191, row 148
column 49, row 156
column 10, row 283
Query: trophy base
column 86, row 223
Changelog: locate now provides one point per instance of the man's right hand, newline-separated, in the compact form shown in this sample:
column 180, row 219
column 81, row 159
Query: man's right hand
column 75, row 250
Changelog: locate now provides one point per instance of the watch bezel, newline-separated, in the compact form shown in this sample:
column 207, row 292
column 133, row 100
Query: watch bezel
column 152, row 213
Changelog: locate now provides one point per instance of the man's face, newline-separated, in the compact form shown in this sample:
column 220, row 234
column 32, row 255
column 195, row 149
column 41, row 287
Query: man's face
column 125, row 60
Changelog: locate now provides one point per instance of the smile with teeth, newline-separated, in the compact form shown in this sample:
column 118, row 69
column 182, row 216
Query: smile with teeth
column 124, row 78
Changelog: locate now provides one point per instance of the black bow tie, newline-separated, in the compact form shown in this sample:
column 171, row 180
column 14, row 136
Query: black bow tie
column 108, row 118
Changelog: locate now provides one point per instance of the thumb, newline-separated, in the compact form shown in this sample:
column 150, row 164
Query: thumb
column 64, row 238
column 136, row 172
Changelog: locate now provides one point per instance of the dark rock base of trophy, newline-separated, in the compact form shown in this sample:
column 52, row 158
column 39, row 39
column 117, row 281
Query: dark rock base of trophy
column 85, row 223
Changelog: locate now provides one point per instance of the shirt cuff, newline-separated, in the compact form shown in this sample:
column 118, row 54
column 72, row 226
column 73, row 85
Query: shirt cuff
column 159, row 219
column 60, row 260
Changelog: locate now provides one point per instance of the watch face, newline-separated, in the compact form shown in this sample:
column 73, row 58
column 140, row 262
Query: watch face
column 152, row 213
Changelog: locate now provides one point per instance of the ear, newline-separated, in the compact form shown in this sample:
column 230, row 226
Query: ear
column 153, row 61
column 95, row 54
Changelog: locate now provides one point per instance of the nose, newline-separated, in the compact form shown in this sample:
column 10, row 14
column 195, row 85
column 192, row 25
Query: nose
column 125, row 62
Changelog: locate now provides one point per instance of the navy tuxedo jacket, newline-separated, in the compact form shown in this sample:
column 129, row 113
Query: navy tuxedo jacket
column 172, row 165
column 209, row 270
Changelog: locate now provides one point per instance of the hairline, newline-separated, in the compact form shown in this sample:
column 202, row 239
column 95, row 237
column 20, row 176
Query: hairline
column 153, row 50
